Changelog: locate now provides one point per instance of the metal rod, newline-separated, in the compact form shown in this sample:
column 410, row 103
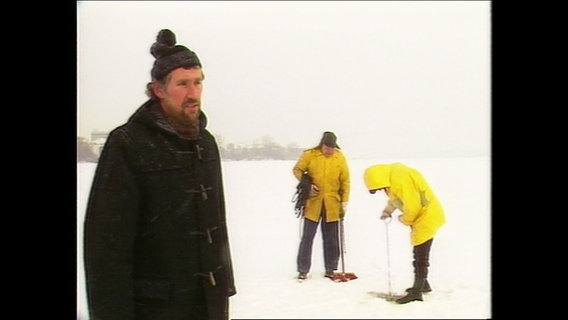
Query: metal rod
column 342, row 244
column 388, row 254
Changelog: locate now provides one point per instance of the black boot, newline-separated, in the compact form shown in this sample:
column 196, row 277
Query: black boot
column 415, row 293
column 425, row 289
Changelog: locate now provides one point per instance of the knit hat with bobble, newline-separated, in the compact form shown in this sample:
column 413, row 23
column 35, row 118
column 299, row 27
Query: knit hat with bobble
column 170, row 56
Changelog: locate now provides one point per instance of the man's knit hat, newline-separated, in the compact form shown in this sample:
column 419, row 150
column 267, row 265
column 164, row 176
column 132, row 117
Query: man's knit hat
column 169, row 56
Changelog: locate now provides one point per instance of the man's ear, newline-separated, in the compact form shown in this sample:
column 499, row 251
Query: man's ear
column 157, row 89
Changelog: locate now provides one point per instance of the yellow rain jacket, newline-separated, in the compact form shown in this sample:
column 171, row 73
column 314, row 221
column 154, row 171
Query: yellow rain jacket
column 410, row 193
column 331, row 176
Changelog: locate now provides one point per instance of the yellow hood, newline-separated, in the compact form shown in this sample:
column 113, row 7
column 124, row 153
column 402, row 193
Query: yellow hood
column 377, row 177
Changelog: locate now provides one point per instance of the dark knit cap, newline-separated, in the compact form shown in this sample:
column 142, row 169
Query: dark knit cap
column 169, row 56
column 329, row 139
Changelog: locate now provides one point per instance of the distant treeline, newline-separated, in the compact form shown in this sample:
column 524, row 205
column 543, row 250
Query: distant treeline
column 265, row 150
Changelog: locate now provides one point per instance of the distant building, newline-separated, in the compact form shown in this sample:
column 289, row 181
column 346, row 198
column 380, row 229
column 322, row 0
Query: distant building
column 98, row 139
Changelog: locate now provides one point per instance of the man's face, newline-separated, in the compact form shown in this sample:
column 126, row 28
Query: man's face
column 181, row 96
column 327, row 151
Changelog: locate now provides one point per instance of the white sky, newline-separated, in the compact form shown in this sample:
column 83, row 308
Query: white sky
column 390, row 78
column 264, row 236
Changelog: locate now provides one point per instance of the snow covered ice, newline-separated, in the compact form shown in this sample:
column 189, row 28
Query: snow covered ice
column 265, row 235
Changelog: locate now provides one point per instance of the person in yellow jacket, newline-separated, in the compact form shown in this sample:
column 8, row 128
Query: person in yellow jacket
column 409, row 192
column 329, row 195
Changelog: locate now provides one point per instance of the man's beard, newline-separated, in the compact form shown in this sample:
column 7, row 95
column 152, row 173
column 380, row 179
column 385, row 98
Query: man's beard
column 188, row 121
column 188, row 125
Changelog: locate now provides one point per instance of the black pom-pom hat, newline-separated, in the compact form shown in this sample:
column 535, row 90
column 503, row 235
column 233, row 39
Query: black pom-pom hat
column 170, row 56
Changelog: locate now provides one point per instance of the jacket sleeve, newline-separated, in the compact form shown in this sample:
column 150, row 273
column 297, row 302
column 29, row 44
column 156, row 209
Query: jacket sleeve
column 109, row 231
column 409, row 194
column 301, row 165
column 392, row 204
column 345, row 180
column 231, row 288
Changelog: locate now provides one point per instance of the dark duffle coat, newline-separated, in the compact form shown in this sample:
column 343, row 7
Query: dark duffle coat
column 156, row 241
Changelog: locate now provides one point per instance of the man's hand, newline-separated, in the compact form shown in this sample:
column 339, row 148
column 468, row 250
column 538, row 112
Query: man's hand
column 386, row 215
column 343, row 210
column 314, row 191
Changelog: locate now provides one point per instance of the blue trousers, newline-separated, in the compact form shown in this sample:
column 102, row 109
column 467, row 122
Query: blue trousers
column 330, row 244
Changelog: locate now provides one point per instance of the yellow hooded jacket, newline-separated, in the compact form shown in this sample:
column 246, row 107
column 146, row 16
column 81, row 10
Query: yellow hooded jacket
column 410, row 193
column 331, row 176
